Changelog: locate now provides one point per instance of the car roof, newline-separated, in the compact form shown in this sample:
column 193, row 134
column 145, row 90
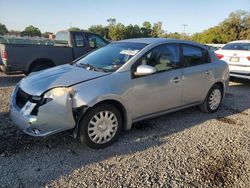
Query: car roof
column 240, row 41
column 160, row 40
column 145, row 40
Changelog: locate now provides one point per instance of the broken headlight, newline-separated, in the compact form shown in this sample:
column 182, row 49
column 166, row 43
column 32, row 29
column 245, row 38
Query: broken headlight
column 57, row 92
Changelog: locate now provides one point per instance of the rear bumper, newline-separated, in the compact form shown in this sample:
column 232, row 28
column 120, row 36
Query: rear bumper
column 240, row 75
column 240, row 71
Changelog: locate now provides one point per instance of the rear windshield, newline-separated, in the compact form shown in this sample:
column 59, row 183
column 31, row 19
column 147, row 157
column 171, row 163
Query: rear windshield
column 237, row 46
column 62, row 38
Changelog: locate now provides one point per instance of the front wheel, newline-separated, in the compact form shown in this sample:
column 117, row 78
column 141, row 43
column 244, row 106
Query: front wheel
column 100, row 126
column 213, row 100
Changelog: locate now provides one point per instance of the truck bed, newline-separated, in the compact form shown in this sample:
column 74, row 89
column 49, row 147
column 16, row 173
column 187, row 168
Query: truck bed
column 20, row 56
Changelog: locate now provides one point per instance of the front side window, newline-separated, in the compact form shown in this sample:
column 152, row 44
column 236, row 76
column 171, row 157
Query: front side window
column 95, row 41
column 112, row 56
column 237, row 46
column 193, row 55
column 163, row 58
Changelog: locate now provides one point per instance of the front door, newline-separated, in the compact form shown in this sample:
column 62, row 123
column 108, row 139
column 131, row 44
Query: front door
column 162, row 90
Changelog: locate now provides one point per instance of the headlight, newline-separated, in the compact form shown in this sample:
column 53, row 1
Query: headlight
column 57, row 92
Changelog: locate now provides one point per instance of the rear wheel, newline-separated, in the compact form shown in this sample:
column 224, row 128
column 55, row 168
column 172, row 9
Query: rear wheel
column 100, row 126
column 213, row 100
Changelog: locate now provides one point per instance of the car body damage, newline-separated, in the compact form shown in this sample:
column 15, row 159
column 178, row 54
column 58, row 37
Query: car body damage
column 63, row 118
column 44, row 118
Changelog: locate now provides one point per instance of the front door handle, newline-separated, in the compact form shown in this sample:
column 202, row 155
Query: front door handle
column 176, row 80
column 208, row 72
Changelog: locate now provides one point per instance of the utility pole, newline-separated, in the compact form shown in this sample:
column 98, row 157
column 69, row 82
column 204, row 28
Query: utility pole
column 184, row 29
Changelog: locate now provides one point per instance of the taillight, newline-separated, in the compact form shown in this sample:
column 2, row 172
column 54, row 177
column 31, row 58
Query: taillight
column 219, row 56
column 4, row 55
column 248, row 58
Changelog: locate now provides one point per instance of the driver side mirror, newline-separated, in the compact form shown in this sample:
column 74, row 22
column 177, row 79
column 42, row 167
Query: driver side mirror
column 143, row 70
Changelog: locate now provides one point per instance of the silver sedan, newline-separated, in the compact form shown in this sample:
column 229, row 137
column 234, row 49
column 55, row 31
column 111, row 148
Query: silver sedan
column 104, row 92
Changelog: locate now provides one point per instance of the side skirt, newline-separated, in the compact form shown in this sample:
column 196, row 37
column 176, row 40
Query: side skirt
column 160, row 113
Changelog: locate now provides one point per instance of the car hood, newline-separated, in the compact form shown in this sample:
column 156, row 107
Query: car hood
column 61, row 76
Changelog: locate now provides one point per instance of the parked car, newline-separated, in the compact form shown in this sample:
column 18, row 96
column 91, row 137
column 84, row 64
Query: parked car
column 124, row 82
column 237, row 55
column 215, row 47
column 27, row 57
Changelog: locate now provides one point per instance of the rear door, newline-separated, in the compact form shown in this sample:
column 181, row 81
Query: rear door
column 197, row 73
column 80, row 44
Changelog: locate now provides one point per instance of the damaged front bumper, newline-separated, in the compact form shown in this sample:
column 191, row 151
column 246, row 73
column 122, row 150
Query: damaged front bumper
column 52, row 117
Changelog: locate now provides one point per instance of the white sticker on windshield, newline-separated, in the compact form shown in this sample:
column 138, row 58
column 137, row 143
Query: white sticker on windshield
column 129, row 52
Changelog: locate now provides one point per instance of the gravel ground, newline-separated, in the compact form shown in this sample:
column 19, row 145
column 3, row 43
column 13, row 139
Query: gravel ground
column 182, row 149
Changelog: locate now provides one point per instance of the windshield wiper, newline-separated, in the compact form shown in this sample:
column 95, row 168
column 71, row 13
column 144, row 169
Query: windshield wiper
column 91, row 67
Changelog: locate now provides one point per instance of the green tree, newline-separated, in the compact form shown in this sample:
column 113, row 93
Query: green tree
column 235, row 27
column 74, row 29
column 117, row 32
column 146, row 29
column 211, row 35
column 31, row 31
column 157, row 30
column 3, row 29
column 174, row 35
column 100, row 30
column 132, row 31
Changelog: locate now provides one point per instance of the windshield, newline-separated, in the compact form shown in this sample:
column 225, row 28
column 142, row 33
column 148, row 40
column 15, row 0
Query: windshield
column 237, row 46
column 112, row 56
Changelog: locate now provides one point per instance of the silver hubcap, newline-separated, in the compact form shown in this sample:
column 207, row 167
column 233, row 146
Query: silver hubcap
column 102, row 127
column 215, row 99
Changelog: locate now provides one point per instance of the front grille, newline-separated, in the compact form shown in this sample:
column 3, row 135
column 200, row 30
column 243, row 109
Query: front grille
column 21, row 98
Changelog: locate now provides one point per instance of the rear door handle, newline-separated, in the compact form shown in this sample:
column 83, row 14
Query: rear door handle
column 176, row 80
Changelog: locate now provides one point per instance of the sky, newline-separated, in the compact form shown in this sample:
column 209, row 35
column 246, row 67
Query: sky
column 54, row 15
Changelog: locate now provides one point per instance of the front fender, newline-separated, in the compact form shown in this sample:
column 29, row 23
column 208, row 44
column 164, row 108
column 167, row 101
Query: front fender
column 80, row 101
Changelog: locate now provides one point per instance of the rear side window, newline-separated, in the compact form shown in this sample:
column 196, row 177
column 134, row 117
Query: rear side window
column 79, row 40
column 62, row 38
column 193, row 55
column 237, row 46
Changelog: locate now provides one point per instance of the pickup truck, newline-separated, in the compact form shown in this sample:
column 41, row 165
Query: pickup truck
column 68, row 46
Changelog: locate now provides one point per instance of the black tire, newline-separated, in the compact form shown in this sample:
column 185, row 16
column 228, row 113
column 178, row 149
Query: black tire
column 85, row 121
column 39, row 67
column 205, row 106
